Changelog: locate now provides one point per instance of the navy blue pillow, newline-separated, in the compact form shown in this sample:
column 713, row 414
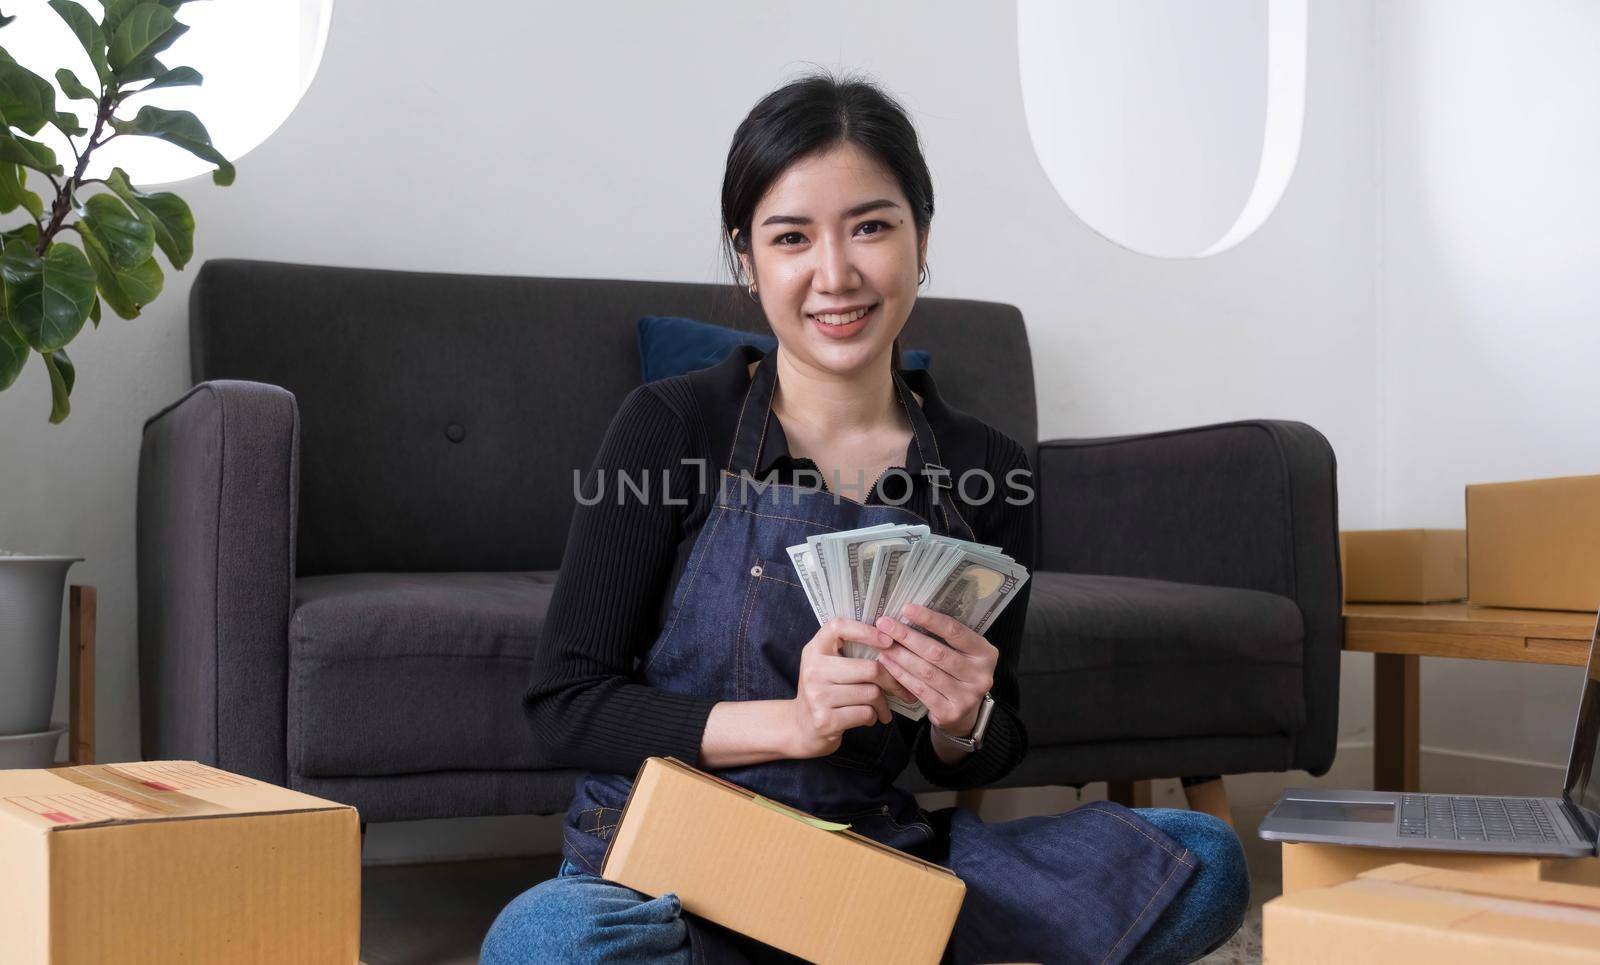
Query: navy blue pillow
column 671, row 346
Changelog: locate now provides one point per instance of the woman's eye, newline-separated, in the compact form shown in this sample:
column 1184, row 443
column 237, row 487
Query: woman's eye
column 783, row 240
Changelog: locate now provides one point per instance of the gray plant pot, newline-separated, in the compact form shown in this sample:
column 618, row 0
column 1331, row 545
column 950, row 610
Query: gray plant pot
column 31, row 750
column 31, row 588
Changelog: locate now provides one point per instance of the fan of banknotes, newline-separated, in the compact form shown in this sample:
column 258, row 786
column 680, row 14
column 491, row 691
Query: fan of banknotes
column 865, row 573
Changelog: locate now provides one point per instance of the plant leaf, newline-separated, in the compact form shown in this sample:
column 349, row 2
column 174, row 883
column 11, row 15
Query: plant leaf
column 125, row 239
column 69, row 372
column 47, row 299
column 176, row 77
column 26, row 99
column 61, row 378
column 14, row 192
column 145, row 69
column 67, row 123
column 5, row 19
column 13, row 353
column 115, row 10
column 94, row 312
column 180, row 128
column 28, row 234
column 89, row 35
column 145, row 31
column 127, row 291
column 25, row 152
column 167, row 215
column 73, row 87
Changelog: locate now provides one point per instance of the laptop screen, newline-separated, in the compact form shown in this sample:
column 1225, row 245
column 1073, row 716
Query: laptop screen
column 1583, row 772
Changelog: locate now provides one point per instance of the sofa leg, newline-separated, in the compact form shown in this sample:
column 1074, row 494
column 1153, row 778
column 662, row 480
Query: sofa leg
column 1129, row 794
column 971, row 799
column 1210, row 796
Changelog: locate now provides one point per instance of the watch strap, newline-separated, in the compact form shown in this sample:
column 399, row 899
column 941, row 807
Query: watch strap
column 974, row 740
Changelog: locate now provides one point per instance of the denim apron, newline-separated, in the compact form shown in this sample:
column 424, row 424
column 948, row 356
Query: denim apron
column 1081, row 886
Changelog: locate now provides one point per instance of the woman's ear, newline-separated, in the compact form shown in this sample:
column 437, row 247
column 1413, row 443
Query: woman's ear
column 749, row 274
column 744, row 259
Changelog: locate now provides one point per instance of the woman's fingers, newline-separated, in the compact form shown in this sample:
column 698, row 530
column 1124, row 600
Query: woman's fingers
column 931, row 697
column 919, row 676
column 857, row 715
column 952, row 631
column 845, row 695
column 924, row 651
column 850, row 670
column 889, row 685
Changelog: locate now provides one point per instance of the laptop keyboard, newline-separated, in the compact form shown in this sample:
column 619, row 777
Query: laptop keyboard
column 1448, row 818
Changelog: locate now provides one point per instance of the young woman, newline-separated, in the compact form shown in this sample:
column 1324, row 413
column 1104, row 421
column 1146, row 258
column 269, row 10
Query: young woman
column 679, row 628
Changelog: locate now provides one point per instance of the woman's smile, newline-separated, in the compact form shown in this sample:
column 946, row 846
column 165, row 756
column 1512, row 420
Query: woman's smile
column 844, row 325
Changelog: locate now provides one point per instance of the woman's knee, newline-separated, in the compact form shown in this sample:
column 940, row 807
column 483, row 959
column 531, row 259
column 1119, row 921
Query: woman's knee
column 582, row 918
column 1215, row 844
column 1210, row 908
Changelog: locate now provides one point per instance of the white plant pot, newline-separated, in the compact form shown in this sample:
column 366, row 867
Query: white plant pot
column 31, row 588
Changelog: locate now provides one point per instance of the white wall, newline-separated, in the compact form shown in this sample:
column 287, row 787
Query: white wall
column 1488, row 245
column 558, row 138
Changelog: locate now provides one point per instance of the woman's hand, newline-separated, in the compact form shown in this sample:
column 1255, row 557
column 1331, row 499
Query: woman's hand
column 950, row 678
column 835, row 693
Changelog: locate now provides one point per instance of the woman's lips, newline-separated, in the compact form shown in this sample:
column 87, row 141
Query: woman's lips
column 847, row 330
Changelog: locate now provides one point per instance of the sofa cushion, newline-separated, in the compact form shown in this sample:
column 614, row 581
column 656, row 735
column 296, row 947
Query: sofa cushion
column 1118, row 658
column 403, row 673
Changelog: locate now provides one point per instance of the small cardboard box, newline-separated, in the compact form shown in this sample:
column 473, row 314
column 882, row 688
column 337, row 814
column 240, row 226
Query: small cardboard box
column 174, row 861
column 1308, row 866
column 1408, row 914
column 1404, row 565
column 1535, row 545
column 777, row 874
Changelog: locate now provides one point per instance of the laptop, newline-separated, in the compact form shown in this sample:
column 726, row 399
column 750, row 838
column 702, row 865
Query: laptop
column 1562, row 826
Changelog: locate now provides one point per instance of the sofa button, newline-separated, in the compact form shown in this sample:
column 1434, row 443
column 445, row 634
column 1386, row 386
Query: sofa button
column 454, row 432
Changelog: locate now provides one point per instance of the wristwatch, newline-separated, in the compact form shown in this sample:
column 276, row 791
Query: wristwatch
column 974, row 740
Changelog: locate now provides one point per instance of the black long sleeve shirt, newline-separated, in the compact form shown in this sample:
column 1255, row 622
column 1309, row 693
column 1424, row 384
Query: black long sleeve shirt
column 586, row 703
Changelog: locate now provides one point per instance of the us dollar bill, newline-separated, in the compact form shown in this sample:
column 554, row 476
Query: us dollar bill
column 876, row 570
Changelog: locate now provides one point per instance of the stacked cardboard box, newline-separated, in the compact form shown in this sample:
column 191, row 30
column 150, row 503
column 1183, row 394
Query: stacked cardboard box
column 1415, row 915
column 1307, row 866
column 174, row 861
column 1535, row 544
column 1404, row 565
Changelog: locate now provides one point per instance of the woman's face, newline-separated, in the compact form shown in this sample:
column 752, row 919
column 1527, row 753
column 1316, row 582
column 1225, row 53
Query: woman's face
column 834, row 234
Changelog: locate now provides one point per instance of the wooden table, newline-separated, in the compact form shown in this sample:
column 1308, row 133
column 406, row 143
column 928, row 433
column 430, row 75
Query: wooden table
column 1399, row 634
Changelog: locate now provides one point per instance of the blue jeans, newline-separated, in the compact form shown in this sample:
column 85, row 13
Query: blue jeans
column 581, row 919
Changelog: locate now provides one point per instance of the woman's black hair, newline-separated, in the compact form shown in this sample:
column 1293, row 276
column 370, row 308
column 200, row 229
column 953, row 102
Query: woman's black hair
column 809, row 116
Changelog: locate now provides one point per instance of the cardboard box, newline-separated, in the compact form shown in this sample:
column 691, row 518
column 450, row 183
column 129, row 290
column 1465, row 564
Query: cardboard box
column 1535, row 545
column 174, row 861
column 1408, row 914
column 1404, row 565
column 1308, row 866
column 773, row 873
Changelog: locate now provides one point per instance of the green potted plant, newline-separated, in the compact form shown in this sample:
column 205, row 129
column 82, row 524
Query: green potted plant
column 89, row 242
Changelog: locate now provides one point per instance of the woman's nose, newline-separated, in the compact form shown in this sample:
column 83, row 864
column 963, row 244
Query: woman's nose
column 835, row 269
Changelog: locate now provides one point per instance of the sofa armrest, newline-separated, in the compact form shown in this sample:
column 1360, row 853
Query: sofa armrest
column 1250, row 504
column 217, row 494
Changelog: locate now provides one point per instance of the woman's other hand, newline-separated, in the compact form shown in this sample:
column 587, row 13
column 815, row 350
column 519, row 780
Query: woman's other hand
column 835, row 693
column 950, row 676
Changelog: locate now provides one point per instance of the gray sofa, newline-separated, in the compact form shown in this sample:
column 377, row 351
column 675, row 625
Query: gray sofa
column 349, row 529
